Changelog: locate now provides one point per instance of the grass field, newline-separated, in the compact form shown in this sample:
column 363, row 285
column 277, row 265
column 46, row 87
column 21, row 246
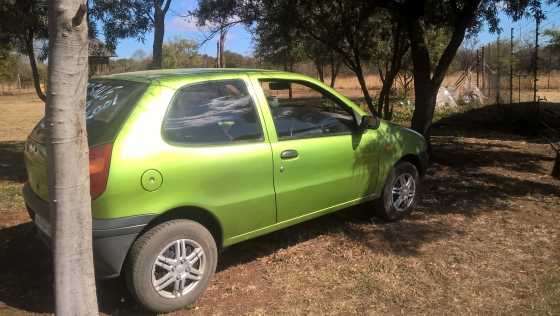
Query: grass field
column 485, row 238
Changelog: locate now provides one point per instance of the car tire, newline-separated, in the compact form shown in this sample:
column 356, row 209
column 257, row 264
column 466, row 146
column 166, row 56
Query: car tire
column 399, row 195
column 181, row 252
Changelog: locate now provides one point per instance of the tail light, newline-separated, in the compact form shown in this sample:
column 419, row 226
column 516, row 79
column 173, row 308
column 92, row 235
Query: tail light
column 99, row 161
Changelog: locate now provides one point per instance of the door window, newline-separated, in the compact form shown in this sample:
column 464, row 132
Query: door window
column 213, row 112
column 302, row 110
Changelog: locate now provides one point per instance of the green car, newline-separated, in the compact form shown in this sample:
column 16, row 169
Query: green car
column 184, row 163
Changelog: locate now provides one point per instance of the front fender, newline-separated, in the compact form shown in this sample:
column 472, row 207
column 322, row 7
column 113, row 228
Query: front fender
column 398, row 142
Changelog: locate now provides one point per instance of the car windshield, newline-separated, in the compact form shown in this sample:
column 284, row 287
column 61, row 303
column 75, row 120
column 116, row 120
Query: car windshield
column 108, row 104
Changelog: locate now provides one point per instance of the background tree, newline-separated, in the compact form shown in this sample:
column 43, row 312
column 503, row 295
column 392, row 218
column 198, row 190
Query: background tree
column 343, row 26
column 23, row 22
column 180, row 53
column 404, row 76
column 67, row 152
column 457, row 19
column 391, row 47
column 552, row 50
column 278, row 43
column 219, row 16
column 435, row 30
column 321, row 56
column 554, row 38
column 236, row 60
column 350, row 29
column 456, row 16
column 133, row 18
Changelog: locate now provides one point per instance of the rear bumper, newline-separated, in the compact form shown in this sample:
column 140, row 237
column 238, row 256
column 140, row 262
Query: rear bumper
column 112, row 238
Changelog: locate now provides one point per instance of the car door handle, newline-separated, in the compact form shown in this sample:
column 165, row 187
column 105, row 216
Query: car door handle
column 289, row 154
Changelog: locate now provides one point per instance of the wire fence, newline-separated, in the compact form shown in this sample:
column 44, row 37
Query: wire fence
column 519, row 66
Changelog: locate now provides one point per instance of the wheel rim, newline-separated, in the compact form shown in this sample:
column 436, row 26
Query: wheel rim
column 178, row 268
column 403, row 192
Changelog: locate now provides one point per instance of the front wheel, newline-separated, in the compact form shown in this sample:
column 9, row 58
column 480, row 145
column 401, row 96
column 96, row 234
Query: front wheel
column 400, row 192
column 169, row 266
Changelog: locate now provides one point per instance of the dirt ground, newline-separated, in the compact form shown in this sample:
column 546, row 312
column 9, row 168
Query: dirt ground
column 485, row 239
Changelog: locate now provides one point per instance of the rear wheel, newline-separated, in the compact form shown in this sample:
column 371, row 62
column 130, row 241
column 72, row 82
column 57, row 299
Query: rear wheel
column 169, row 266
column 400, row 192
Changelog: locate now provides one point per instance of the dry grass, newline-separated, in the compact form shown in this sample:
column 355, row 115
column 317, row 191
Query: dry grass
column 549, row 89
column 19, row 114
column 485, row 239
column 351, row 83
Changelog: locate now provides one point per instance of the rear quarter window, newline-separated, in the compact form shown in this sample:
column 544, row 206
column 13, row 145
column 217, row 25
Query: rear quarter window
column 108, row 105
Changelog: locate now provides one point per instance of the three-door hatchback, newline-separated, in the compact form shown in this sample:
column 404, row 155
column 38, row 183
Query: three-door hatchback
column 186, row 162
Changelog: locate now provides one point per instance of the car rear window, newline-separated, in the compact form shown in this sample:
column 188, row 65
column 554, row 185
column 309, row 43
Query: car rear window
column 108, row 104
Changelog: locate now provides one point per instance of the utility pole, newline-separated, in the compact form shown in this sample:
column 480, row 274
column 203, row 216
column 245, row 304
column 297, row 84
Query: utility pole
column 511, row 68
column 483, row 69
column 499, row 69
column 218, row 62
column 519, row 86
column 549, row 70
column 536, row 61
column 478, row 66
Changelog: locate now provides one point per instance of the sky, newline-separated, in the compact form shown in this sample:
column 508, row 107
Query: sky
column 239, row 39
column 523, row 29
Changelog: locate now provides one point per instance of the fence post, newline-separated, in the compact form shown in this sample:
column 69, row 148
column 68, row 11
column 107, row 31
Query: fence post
column 536, row 61
column 519, row 85
column 549, row 70
column 498, row 64
column 478, row 67
column 511, row 68
column 483, row 70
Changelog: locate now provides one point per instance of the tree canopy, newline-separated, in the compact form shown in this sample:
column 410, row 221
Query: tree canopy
column 132, row 19
column 433, row 29
column 22, row 22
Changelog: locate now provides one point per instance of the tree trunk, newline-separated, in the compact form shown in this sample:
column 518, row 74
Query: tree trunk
column 424, row 109
column 359, row 72
column 382, row 93
column 387, row 108
column 290, row 90
column 388, row 82
column 218, row 62
column 68, row 162
column 320, row 70
column 159, row 31
column 423, row 88
column 335, row 67
column 399, row 48
column 426, row 84
column 34, row 70
column 222, row 57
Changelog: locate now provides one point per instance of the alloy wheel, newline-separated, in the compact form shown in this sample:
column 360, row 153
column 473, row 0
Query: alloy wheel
column 178, row 268
column 403, row 192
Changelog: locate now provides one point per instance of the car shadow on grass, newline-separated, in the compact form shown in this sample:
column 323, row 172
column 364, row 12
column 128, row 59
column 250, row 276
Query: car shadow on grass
column 12, row 167
column 26, row 279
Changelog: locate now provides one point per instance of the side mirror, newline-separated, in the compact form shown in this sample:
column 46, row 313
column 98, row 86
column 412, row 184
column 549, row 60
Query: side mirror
column 364, row 122
column 367, row 121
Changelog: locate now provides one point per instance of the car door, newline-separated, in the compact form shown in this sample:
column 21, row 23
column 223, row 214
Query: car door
column 218, row 156
column 322, row 160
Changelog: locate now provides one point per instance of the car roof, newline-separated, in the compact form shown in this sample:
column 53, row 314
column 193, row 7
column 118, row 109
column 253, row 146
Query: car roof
column 162, row 75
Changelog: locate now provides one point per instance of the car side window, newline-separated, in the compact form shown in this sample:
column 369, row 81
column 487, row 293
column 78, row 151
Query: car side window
column 213, row 112
column 300, row 109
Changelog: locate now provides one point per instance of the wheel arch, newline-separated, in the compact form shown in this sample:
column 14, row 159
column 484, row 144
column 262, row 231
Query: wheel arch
column 197, row 214
column 415, row 160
